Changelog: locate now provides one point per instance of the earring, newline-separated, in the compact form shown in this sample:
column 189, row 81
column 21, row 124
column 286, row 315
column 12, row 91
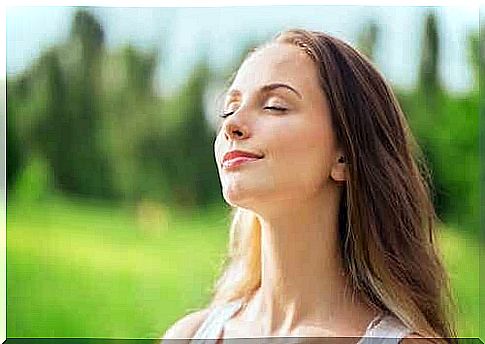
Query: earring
column 341, row 159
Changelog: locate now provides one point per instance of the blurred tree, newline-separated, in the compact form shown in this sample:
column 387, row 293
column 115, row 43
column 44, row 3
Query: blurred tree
column 90, row 34
column 426, row 107
column 140, row 71
column 103, row 131
column 429, row 81
column 446, row 127
column 131, row 111
column 367, row 39
column 475, row 45
column 55, row 107
column 184, row 154
column 15, row 158
column 448, row 130
column 479, row 58
column 197, row 169
column 70, row 132
column 52, row 135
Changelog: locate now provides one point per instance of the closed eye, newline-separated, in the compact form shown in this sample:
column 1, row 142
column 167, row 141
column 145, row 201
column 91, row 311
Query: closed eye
column 224, row 115
column 276, row 108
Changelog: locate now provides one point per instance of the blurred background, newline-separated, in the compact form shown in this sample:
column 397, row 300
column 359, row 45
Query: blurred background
column 116, row 226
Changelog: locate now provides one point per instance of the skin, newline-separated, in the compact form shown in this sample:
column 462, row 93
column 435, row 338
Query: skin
column 295, row 192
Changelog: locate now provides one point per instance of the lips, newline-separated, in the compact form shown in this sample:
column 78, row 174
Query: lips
column 237, row 157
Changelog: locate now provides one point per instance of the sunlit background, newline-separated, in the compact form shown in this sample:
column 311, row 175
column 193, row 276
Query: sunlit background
column 116, row 226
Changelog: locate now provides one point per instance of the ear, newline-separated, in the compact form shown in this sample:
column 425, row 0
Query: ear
column 339, row 168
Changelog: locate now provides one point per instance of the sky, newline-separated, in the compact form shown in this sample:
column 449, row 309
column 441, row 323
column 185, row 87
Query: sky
column 185, row 32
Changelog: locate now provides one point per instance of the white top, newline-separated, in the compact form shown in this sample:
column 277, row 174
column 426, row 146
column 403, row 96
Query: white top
column 384, row 329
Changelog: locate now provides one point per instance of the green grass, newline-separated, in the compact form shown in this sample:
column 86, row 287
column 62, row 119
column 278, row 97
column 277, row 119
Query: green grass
column 77, row 271
column 461, row 253
column 91, row 270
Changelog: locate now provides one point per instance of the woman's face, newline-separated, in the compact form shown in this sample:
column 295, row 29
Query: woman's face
column 277, row 111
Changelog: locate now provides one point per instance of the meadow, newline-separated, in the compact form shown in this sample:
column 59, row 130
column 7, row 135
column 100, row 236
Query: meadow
column 87, row 269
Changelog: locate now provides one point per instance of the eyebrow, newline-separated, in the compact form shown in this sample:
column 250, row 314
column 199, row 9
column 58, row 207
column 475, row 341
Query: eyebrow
column 270, row 87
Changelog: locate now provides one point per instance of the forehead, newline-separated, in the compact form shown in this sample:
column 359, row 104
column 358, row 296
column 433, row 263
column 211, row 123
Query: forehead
column 282, row 63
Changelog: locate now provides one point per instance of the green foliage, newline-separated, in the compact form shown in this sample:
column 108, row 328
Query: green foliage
column 429, row 81
column 56, row 108
column 194, row 173
column 104, row 132
column 474, row 52
column 367, row 39
column 34, row 184
column 89, row 32
column 14, row 151
column 95, row 117
column 447, row 128
column 448, row 133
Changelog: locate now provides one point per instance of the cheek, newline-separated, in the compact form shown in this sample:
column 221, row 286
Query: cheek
column 303, row 155
column 304, row 143
column 218, row 149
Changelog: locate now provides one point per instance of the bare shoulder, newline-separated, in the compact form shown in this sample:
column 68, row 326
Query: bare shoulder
column 415, row 338
column 186, row 327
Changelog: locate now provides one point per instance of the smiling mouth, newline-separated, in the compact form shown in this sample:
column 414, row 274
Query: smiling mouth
column 238, row 161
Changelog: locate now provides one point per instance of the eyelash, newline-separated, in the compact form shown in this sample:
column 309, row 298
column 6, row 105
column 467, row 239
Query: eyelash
column 276, row 108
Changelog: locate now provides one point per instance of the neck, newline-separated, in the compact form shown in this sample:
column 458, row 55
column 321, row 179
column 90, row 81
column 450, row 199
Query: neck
column 302, row 277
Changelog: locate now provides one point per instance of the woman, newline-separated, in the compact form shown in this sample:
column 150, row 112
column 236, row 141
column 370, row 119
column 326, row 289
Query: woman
column 333, row 226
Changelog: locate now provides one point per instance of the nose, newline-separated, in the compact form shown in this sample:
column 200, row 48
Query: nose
column 235, row 130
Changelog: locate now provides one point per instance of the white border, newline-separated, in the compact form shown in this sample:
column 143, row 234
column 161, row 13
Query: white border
column 229, row 3
column 149, row 3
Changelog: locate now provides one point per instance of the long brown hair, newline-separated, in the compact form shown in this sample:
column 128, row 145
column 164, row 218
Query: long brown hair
column 386, row 219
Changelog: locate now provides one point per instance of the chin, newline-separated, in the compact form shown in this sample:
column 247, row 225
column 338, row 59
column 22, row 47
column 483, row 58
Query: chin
column 255, row 202
column 238, row 196
column 235, row 199
column 248, row 193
